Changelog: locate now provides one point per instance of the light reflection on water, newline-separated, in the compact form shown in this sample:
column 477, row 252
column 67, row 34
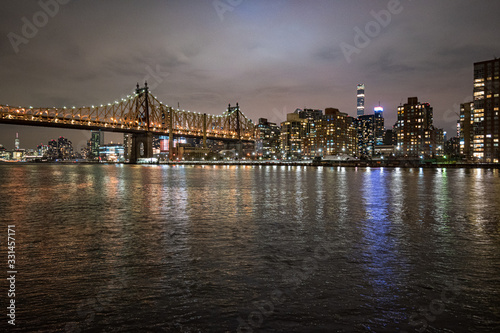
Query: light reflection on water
column 178, row 248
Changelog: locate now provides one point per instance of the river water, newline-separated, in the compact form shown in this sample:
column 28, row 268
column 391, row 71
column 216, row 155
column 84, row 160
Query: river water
column 116, row 248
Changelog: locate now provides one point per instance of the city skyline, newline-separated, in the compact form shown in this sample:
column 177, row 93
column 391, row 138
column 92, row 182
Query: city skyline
column 250, row 165
column 271, row 57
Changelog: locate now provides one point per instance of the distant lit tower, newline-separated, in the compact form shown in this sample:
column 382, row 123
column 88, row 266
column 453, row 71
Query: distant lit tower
column 16, row 144
column 360, row 100
column 379, row 129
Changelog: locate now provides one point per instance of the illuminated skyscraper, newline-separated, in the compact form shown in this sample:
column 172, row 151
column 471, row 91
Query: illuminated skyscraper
column 365, row 126
column 370, row 131
column 379, row 129
column 360, row 100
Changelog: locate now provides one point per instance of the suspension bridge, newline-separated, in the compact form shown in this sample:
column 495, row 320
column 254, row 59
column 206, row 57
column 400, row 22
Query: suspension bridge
column 141, row 115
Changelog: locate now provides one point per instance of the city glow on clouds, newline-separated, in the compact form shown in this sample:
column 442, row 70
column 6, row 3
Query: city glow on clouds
column 266, row 55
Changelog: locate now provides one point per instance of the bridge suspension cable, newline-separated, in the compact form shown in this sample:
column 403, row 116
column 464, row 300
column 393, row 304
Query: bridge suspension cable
column 141, row 112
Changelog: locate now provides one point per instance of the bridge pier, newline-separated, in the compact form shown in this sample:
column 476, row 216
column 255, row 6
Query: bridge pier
column 171, row 137
column 142, row 146
column 237, row 146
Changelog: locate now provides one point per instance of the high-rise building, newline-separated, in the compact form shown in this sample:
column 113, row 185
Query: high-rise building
column 60, row 149
column 312, row 116
column 336, row 134
column 452, row 147
column 466, row 129
column 360, row 99
column 416, row 135
column 268, row 141
column 365, row 126
column 292, row 135
column 389, row 138
column 435, row 142
column 96, row 140
column 486, row 111
column 379, row 129
column 16, row 142
column 370, row 131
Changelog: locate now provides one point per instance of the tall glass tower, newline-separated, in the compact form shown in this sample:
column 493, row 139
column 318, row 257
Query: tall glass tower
column 360, row 100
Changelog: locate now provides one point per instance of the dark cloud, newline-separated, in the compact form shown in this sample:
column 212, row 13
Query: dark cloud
column 270, row 56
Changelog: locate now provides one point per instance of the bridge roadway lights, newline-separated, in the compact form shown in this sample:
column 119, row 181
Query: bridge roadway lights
column 142, row 146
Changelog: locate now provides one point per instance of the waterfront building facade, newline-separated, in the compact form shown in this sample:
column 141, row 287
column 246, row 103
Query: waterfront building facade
column 268, row 139
column 336, row 134
column 292, row 134
column 416, row 134
column 111, row 153
column 486, row 111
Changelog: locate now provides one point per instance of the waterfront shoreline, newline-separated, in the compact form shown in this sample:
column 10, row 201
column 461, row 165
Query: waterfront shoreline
column 348, row 164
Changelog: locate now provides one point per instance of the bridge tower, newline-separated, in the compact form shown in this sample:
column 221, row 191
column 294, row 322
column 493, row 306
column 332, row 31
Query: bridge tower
column 238, row 145
column 142, row 143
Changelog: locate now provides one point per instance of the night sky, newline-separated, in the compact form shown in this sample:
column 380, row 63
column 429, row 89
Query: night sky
column 271, row 56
